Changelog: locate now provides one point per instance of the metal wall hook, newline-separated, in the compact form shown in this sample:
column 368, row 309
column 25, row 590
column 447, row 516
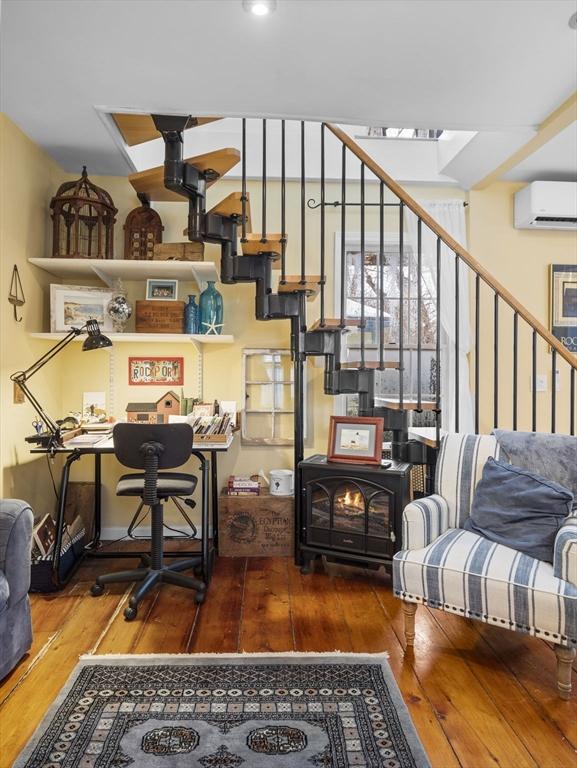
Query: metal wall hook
column 16, row 294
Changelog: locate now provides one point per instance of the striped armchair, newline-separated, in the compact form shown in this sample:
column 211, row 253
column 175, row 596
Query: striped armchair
column 444, row 566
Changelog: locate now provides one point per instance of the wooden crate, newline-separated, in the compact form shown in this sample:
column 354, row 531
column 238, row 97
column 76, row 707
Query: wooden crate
column 159, row 316
column 256, row 526
column 178, row 252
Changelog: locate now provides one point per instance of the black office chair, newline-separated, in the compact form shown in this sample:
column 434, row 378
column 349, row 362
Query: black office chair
column 152, row 447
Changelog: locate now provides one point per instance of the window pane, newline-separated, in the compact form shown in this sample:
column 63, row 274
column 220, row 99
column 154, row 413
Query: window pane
column 283, row 397
column 259, row 397
column 257, row 425
column 268, row 367
column 284, row 426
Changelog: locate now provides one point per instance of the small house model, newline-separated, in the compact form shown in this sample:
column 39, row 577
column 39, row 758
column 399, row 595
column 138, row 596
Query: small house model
column 154, row 413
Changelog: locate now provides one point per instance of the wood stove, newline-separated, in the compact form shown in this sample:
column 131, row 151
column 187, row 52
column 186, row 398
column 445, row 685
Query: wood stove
column 351, row 512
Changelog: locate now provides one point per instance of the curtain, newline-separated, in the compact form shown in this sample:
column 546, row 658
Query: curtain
column 451, row 216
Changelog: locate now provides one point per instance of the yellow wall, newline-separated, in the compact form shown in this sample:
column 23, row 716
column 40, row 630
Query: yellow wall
column 28, row 179
column 520, row 260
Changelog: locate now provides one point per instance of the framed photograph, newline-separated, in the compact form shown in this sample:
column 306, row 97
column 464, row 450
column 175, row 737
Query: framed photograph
column 161, row 290
column 93, row 407
column 71, row 306
column 564, row 304
column 155, row 371
column 355, row 440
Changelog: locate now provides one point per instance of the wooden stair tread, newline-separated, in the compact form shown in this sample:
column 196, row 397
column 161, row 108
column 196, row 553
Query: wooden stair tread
column 372, row 364
column 333, row 324
column 253, row 246
column 408, row 404
column 151, row 181
column 229, row 206
column 293, row 284
column 138, row 129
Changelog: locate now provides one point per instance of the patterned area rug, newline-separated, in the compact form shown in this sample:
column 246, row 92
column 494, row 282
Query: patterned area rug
column 213, row 711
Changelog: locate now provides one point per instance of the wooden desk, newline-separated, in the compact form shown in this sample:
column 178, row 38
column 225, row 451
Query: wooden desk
column 105, row 446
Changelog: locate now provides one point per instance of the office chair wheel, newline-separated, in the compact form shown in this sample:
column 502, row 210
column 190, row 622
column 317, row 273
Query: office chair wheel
column 130, row 613
column 96, row 590
column 199, row 597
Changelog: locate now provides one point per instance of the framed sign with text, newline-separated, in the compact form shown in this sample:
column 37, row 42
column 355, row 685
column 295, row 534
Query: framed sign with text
column 156, row 371
column 563, row 286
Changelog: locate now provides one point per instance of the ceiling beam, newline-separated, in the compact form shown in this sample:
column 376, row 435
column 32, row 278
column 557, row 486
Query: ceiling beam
column 557, row 121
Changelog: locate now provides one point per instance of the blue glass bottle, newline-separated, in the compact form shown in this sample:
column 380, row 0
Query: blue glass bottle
column 211, row 310
column 191, row 316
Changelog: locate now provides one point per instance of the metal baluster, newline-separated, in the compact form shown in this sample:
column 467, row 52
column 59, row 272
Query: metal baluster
column 362, row 265
column 243, row 183
column 477, row 340
column 553, row 388
column 380, row 282
column 457, row 329
column 401, row 302
column 438, row 350
column 572, row 403
column 496, row 362
column 534, row 383
column 303, row 204
column 323, row 277
column 343, row 226
column 515, row 366
column 419, row 310
column 283, row 204
column 263, row 186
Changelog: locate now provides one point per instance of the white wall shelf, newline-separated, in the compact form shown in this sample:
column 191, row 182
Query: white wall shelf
column 108, row 270
column 149, row 338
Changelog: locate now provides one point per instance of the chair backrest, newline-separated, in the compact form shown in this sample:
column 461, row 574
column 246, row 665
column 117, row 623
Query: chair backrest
column 176, row 440
column 459, row 468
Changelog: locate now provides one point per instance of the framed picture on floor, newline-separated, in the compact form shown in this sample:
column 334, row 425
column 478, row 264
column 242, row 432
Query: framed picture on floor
column 355, row 440
column 563, row 302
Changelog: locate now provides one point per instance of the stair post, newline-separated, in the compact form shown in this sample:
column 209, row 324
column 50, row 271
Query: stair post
column 298, row 329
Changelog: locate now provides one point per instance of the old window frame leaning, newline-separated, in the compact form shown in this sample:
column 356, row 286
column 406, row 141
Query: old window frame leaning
column 278, row 400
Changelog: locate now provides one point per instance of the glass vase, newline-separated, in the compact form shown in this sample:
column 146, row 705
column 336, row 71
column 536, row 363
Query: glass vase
column 192, row 316
column 211, row 310
column 119, row 309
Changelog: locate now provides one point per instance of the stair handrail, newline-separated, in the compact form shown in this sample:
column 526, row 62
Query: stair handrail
column 455, row 246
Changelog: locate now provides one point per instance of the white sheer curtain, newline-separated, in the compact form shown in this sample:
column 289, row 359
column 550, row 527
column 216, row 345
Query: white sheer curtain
column 451, row 216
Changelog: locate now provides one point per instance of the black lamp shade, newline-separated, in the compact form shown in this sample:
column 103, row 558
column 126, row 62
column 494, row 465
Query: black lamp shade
column 95, row 339
column 96, row 342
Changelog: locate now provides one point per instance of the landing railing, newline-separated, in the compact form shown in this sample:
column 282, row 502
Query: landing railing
column 506, row 348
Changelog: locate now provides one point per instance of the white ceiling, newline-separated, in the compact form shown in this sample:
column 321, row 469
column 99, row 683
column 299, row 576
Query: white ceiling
column 557, row 159
column 494, row 65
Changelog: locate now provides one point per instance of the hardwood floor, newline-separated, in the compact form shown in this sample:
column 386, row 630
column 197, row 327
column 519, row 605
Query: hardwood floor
column 478, row 695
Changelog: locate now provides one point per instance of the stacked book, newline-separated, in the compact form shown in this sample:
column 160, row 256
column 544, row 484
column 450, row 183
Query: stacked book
column 239, row 485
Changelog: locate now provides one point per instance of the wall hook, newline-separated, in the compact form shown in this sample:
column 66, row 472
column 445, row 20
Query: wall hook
column 16, row 295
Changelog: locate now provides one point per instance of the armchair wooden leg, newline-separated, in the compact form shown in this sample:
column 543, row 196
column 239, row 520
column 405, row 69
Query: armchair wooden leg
column 565, row 658
column 409, row 609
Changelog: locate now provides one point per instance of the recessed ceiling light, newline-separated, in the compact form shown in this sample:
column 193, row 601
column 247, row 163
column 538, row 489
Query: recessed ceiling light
column 573, row 21
column 259, row 7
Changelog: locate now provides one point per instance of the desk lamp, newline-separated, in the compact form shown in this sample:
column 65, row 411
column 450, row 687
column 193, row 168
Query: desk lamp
column 52, row 437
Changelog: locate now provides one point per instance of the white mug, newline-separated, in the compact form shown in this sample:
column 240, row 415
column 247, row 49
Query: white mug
column 281, row 482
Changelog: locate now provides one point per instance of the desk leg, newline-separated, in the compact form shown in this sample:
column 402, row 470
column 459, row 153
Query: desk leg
column 74, row 456
column 95, row 543
column 214, row 501
column 206, row 548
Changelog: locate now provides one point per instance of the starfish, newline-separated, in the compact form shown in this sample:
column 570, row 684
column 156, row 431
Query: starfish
column 211, row 328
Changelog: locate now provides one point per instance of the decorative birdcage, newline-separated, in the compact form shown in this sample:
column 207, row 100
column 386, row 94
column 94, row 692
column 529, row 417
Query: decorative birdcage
column 142, row 231
column 83, row 217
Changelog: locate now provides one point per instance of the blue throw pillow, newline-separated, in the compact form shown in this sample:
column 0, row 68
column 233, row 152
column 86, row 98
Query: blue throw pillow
column 519, row 509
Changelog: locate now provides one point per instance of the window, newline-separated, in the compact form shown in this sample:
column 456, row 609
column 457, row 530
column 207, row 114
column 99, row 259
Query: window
column 387, row 381
column 268, row 397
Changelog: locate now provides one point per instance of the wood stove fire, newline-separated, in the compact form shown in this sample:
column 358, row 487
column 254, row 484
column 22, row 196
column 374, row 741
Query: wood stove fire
column 351, row 512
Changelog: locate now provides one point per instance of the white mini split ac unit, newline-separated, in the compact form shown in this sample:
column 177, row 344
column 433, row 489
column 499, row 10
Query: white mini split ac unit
column 547, row 205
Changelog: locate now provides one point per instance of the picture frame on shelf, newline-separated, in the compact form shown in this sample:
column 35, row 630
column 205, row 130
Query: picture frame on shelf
column 563, row 304
column 155, row 371
column 71, row 306
column 355, row 440
column 161, row 290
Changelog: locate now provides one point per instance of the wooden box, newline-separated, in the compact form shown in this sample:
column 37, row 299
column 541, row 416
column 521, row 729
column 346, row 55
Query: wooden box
column 178, row 252
column 256, row 526
column 159, row 316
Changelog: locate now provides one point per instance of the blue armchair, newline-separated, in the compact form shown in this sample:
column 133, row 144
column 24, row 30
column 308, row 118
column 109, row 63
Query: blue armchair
column 16, row 521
